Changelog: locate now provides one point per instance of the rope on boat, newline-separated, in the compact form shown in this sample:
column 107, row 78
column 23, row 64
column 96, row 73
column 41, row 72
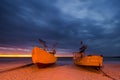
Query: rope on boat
column 23, row 66
column 105, row 74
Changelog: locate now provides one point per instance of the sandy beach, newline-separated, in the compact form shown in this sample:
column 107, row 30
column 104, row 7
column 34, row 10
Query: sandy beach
column 15, row 71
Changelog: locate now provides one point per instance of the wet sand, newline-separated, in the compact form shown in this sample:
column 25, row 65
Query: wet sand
column 24, row 70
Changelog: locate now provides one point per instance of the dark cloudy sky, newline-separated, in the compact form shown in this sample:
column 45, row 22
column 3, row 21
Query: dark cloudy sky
column 96, row 22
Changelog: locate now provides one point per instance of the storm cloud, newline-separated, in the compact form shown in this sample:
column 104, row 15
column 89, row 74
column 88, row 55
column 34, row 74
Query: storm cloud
column 66, row 22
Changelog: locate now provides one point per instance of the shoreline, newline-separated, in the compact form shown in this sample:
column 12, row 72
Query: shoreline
column 63, row 71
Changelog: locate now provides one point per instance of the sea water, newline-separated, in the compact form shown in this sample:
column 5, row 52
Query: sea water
column 60, row 60
column 69, row 60
column 111, row 60
column 65, row 61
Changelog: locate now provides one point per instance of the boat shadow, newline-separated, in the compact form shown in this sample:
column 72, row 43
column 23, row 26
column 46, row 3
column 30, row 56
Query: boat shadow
column 89, row 68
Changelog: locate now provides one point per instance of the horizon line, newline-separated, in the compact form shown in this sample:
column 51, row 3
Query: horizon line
column 28, row 55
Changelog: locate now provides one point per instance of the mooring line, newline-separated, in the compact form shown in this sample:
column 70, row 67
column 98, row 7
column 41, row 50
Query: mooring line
column 23, row 66
column 105, row 74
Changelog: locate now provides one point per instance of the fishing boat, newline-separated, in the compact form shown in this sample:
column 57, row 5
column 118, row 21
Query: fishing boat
column 42, row 58
column 81, row 59
column 95, row 61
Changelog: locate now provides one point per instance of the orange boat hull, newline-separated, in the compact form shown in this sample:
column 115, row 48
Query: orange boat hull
column 42, row 58
column 93, row 60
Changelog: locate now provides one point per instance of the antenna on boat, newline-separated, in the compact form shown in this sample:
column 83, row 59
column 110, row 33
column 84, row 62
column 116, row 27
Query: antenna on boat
column 54, row 45
column 43, row 43
column 54, row 48
column 83, row 47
